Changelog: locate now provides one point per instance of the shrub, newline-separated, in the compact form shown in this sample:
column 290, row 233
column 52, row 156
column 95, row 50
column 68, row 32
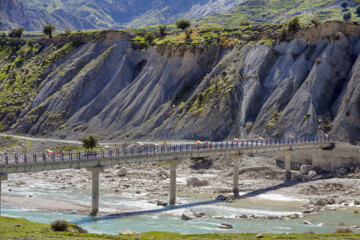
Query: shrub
column 358, row 11
column 67, row 31
column 343, row 230
column 149, row 38
column 59, row 226
column 183, row 24
column 294, row 24
column 344, row 5
column 315, row 21
column 283, row 34
column 48, row 30
column 347, row 16
column 89, row 142
column 31, row 43
column 188, row 33
column 244, row 23
column 3, row 35
column 356, row 211
column 17, row 33
column 162, row 30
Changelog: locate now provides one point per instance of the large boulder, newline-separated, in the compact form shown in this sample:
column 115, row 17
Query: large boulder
column 304, row 169
column 188, row 215
column 122, row 172
column 195, row 182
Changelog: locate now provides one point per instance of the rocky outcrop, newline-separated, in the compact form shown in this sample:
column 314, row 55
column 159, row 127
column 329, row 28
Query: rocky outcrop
column 292, row 88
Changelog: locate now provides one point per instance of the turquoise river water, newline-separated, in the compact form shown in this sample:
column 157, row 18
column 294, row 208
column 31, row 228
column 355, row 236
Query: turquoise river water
column 149, row 217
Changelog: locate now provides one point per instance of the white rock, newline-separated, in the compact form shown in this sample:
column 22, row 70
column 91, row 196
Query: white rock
column 128, row 232
column 320, row 225
column 188, row 215
column 306, row 222
column 304, row 170
column 312, row 174
column 225, row 226
column 259, row 235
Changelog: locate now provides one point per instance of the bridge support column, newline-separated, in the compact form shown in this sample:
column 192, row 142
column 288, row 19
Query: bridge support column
column 2, row 178
column 288, row 164
column 95, row 189
column 236, row 163
column 173, row 165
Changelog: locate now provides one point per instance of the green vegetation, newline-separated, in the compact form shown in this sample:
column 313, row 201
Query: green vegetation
column 275, row 12
column 183, row 24
column 294, row 24
column 90, row 142
column 60, row 226
column 17, row 33
column 14, row 228
column 149, row 38
column 344, row 5
column 162, row 30
column 48, row 30
column 347, row 16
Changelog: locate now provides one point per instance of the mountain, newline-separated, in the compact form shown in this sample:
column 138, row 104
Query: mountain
column 104, row 14
column 280, row 11
column 102, row 83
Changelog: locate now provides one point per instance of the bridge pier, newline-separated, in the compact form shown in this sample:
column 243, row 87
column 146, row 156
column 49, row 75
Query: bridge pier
column 2, row 178
column 236, row 163
column 95, row 189
column 173, row 165
column 288, row 164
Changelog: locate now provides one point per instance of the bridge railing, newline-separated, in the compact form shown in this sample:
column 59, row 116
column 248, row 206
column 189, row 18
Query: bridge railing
column 153, row 150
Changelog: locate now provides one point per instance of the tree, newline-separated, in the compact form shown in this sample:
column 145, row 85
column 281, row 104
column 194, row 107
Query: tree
column 244, row 23
column 48, row 30
column 294, row 24
column 188, row 33
column 344, row 5
column 347, row 16
column 17, row 32
column 183, row 24
column 358, row 10
column 162, row 30
column 149, row 38
column 3, row 36
column 89, row 142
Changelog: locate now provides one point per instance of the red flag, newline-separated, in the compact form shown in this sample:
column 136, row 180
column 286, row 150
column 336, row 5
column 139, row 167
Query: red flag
column 291, row 137
column 236, row 140
column 243, row 140
column 198, row 142
column 327, row 136
column 261, row 139
column 49, row 151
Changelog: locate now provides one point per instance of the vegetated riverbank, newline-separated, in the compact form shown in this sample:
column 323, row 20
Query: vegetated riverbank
column 12, row 228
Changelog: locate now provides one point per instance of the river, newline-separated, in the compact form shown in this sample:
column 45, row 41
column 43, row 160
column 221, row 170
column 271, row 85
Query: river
column 149, row 217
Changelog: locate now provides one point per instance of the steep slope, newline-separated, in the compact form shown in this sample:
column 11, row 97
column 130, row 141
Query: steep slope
column 14, row 14
column 306, row 86
column 280, row 11
column 80, row 14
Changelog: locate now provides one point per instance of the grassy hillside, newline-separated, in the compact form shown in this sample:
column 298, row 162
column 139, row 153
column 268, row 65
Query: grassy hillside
column 12, row 228
column 278, row 11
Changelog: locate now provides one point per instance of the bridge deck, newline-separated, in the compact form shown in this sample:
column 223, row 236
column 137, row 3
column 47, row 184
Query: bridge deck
column 148, row 154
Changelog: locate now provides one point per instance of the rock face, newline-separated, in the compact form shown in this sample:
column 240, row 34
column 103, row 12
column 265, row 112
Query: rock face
column 225, row 226
column 128, row 232
column 291, row 88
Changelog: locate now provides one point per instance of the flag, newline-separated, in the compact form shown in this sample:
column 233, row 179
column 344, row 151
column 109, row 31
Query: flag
column 49, row 151
column 326, row 135
column 156, row 144
column 106, row 147
column 261, row 139
column 198, row 142
column 243, row 140
column 291, row 137
column 268, row 139
column 236, row 140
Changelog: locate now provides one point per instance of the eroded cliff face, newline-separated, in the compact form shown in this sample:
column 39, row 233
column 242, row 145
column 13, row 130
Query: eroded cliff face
column 108, row 88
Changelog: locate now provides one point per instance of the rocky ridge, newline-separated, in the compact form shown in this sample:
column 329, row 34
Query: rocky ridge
column 298, row 87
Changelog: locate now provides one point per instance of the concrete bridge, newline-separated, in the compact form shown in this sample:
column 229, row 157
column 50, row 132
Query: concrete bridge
column 96, row 161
